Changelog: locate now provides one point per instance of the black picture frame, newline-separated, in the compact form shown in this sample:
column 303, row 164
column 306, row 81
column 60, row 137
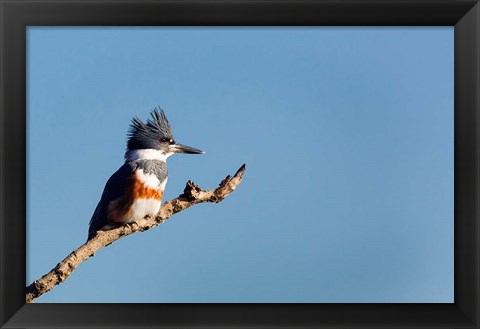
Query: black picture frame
column 16, row 15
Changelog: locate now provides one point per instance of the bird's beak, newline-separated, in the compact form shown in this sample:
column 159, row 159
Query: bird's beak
column 179, row 148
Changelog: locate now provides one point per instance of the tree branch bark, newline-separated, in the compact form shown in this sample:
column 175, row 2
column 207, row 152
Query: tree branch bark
column 192, row 195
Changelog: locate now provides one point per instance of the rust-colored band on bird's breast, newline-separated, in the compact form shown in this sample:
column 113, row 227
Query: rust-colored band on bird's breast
column 119, row 210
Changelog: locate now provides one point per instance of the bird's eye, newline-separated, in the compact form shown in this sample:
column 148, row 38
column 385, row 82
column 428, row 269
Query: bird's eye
column 171, row 141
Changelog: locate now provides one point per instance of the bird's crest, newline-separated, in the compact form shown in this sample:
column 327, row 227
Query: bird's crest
column 147, row 135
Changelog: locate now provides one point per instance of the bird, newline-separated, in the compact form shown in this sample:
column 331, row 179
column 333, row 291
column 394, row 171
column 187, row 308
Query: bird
column 136, row 189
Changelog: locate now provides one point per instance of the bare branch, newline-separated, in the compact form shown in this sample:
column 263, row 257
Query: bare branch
column 191, row 196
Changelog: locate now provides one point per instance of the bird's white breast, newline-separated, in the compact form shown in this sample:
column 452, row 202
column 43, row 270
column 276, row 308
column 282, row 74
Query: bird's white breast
column 150, row 180
column 142, row 207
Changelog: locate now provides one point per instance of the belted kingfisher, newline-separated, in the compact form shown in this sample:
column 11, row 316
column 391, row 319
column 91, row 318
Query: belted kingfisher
column 136, row 189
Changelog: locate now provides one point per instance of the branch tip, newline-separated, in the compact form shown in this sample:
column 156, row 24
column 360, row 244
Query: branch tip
column 240, row 171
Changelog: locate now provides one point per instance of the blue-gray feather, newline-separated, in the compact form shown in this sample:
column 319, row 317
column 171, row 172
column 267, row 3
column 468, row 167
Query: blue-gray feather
column 115, row 188
column 149, row 135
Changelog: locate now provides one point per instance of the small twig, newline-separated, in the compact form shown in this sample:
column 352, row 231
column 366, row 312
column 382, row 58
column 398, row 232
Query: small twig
column 191, row 195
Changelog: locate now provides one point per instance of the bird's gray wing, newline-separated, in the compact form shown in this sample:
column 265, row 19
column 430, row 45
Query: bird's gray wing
column 115, row 188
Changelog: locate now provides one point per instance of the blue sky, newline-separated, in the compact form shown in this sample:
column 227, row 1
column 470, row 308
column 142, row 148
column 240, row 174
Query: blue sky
column 347, row 134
